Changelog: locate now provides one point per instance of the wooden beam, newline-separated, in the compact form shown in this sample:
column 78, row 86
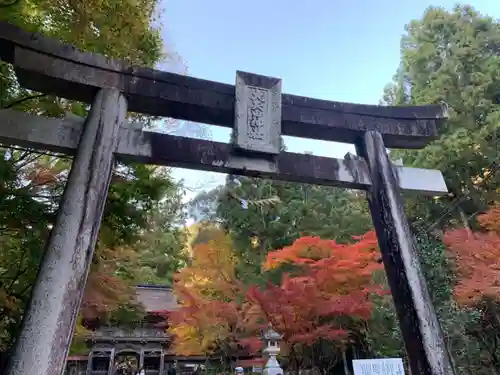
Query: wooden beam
column 47, row 66
column 49, row 321
column 135, row 145
column 424, row 340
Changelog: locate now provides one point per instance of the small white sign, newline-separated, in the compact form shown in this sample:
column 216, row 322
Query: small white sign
column 381, row 366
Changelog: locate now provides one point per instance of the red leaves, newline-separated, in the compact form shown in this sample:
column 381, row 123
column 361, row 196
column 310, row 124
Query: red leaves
column 324, row 332
column 202, row 324
column 335, row 286
column 103, row 293
column 332, row 292
column 251, row 345
column 477, row 258
column 477, row 263
column 490, row 221
column 352, row 264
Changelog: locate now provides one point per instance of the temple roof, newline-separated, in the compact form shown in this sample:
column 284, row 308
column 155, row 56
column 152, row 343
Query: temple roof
column 156, row 298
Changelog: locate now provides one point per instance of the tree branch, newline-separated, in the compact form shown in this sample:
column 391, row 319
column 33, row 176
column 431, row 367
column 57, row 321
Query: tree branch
column 19, row 101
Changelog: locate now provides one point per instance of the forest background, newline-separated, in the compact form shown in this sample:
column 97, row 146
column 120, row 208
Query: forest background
column 302, row 257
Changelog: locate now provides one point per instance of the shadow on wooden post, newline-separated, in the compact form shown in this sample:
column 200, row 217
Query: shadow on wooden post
column 49, row 320
column 422, row 334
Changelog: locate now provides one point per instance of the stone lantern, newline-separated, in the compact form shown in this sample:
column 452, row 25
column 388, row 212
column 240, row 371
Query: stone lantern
column 272, row 349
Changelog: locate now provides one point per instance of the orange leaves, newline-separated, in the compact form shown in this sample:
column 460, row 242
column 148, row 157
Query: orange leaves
column 477, row 258
column 330, row 293
column 340, row 268
column 208, row 290
column 336, row 282
column 477, row 263
column 212, row 268
column 491, row 219
column 304, row 250
column 105, row 290
column 202, row 325
column 46, row 171
column 43, row 176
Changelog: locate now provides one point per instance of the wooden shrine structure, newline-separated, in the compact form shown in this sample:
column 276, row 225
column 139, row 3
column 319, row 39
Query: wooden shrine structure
column 259, row 114
column 145, row 344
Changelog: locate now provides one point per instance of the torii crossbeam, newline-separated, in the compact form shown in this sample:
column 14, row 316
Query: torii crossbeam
column 259, row 114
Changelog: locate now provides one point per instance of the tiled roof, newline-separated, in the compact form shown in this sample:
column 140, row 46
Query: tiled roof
column 156, row 298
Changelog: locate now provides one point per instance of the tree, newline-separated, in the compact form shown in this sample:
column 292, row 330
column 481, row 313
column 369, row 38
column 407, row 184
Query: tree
column 211, row 270
column 209, row 326
column 161, row 245
column 452, row 57
column 32, row 183
column 328, row 296
column 476, row 257
column 212, row 317
column 89, row 26
column 263, row 215
column 477, row 260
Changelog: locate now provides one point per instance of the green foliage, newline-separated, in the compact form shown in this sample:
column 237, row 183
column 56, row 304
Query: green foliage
column 452, row 57
column 126, row 316
column 438, row 271
column 162, row 242
column 447, row 56
column 264, row 215
column 140, row 239
column 96, row 25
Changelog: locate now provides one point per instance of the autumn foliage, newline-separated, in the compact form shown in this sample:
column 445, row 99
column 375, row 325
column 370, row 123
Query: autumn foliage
column 477, row 256
column 333, row 287
column 211, row 317
column 329, row 291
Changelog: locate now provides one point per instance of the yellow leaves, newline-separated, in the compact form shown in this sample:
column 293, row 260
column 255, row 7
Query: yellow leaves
column 195, row 340
column 212, row 269
column 204, row 289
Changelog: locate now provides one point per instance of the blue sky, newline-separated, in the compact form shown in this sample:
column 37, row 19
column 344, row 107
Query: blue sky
column 335, row 50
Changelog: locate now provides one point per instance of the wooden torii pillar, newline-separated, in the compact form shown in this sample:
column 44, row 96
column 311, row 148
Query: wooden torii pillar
column 259, row 113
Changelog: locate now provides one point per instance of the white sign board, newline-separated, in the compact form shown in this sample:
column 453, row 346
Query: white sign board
column 382, row 366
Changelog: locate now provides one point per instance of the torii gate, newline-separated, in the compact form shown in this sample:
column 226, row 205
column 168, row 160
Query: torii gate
column 259, row 114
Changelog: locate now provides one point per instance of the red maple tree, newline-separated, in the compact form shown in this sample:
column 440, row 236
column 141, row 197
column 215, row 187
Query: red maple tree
column 477, row 259
column 205, row 325
column 326, row 298
column 333, row 289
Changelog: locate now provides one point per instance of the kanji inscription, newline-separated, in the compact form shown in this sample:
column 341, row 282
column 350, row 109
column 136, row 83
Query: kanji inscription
column 258, row 113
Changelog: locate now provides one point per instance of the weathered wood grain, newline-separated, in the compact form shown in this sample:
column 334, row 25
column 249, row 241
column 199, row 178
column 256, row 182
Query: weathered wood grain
column 61, row 135
column 424, row 341
column 47, row 330
column 51, row 67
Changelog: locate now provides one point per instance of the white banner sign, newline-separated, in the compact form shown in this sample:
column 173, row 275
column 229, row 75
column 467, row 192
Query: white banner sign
column 382, row 366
